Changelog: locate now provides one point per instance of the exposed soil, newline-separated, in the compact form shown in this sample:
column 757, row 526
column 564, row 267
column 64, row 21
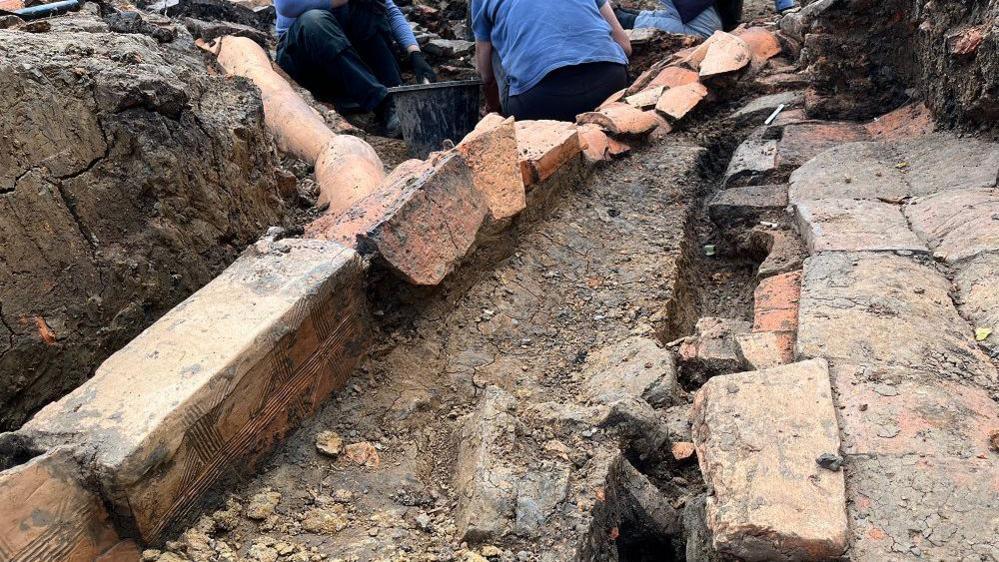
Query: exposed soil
column 872, row 55
column 132, row 177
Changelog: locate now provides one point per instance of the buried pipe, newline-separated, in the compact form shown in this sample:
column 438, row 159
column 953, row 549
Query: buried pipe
column 347, row 168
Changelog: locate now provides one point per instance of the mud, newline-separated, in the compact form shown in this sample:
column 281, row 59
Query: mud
column 130, row 176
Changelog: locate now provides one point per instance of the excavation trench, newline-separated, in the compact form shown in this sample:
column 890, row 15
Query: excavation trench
column 596, row 260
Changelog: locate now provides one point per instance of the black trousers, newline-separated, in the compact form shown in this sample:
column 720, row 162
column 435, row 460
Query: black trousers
column 344, row 54
column 566, row 92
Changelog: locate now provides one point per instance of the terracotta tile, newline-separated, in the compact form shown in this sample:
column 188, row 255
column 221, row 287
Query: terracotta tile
column 677, row 102
column 620, row 119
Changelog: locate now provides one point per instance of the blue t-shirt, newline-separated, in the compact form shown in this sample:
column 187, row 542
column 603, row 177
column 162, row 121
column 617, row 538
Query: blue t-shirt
column 535, row 37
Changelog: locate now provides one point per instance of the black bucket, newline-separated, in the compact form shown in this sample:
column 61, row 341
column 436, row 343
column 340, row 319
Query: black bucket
column 429, row 114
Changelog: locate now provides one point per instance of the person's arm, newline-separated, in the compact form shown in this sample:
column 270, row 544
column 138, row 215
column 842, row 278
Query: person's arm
column 617, row 32
column 401, row 31
column 484, row 62
column 295, row 8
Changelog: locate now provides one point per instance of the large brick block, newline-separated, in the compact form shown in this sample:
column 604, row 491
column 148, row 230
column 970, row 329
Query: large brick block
column 885, row 310
column 491, row 153
column 906, row 412
column 803, row 141
column 46, row 515
column 758, row 435
column 893, row 171
column 913, row 508
column 213, row 384
column 845, row 225
column 957, row 224
column 421, row 224
column 545, row 146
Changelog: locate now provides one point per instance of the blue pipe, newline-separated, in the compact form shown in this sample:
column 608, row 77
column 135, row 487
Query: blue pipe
column 44, row 10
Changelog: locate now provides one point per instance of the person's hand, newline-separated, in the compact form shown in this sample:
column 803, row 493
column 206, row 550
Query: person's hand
column 492, row 97
column 424, row 72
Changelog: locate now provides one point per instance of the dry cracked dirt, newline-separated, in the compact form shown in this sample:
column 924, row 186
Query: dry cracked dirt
column 748, row 339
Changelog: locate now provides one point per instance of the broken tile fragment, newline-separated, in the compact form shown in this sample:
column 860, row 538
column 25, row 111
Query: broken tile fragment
column 725, row 53
column 677, row 102
column 620, row 119
column 763, row 45
column 673, row 76
column 646, row 98
column 597, row 146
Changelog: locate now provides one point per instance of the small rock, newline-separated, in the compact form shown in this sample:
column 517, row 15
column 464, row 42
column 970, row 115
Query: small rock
column 329, row 443
column 830, row 461
column 490, row 551
column 364, row 454
column 262, row 553
column 324, row 521
column 262, row 505
column 682, row 450
column 423, row 521
column 994, row 440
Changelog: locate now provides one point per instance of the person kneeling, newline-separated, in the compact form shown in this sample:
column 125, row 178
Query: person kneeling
column 689, row 17
column 559, row 58
column 341, row 51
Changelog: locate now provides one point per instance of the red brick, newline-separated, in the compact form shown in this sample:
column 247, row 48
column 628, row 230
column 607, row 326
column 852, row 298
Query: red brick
column 491, row 153
column 545, row 146
column 620, row 119
column 677, row 102
column 803, row 141
column 903, row 123
column 776, row 301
